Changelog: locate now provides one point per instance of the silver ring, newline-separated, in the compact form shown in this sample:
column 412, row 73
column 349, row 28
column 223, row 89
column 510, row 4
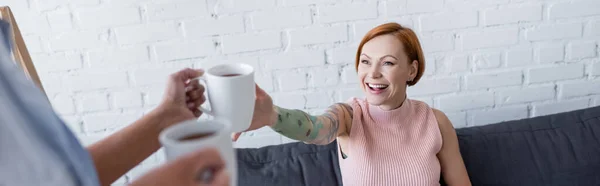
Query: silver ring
column 206, row 176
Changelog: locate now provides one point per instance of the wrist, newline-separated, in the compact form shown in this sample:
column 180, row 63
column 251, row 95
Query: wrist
column 274, row 116
column 164, row 117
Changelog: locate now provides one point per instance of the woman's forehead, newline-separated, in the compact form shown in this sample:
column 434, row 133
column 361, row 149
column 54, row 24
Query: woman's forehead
column 383, row 45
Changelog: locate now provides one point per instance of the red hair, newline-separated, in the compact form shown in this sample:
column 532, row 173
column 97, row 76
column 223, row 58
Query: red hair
column 407, row 37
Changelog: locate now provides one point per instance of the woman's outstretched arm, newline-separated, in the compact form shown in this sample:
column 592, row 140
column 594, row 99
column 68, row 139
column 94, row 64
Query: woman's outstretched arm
column 314, row 129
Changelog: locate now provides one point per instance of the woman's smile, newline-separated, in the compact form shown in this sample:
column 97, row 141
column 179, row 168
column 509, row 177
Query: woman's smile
column 376, row 88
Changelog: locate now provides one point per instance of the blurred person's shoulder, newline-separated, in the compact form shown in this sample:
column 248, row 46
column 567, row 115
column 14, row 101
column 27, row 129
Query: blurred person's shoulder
column 35, row 146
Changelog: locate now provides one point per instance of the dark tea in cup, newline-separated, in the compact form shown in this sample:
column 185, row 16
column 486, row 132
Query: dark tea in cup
column 230, row 75
column 195, row 136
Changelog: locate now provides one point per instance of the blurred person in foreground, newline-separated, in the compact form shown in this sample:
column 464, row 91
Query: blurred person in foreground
column 36, row 148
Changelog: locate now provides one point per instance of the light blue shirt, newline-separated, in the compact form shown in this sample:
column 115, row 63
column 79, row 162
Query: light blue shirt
column 36, row 147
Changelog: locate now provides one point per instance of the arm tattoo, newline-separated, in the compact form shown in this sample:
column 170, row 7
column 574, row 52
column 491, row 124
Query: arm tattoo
column 323, row 129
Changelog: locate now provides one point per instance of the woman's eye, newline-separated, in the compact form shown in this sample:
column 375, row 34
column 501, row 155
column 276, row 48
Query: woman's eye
column 364, row 61
column 388, row 63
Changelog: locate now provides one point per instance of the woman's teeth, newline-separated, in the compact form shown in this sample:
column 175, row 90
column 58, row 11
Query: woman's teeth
column 377, row 86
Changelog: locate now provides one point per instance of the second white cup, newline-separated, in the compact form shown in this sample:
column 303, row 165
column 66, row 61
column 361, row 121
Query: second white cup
column 193, row 135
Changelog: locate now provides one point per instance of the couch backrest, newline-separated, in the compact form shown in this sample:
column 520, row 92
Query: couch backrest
column 289, row 164
column 559, row 149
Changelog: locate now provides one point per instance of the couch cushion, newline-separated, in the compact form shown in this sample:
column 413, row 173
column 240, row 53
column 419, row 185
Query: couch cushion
column 559, row 149
column 288, row 164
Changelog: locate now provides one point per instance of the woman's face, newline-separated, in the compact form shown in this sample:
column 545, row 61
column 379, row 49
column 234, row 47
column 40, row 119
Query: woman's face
column 384, row 70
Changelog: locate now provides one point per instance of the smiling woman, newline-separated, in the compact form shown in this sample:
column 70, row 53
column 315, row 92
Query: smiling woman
column 385, row 70
column 385, row 138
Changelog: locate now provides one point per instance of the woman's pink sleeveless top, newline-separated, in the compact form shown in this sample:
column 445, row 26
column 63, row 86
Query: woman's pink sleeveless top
column 396, row 147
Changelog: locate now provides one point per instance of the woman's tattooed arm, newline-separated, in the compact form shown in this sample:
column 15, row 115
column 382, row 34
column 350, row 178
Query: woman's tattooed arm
column 322, row 129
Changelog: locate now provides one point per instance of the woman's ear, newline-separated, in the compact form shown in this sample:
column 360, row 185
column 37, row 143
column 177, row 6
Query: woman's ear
column 414, row 69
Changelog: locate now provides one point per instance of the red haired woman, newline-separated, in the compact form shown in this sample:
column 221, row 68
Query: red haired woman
column 385, row 138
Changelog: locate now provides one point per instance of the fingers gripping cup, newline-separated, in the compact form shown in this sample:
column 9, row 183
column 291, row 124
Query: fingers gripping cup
column 190, row 136
column 231, row 94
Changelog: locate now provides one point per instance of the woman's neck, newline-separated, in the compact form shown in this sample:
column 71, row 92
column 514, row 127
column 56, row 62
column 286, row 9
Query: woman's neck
column 394, row 104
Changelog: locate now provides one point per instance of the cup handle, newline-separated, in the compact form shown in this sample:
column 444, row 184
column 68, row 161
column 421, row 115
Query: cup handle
column 204, row 110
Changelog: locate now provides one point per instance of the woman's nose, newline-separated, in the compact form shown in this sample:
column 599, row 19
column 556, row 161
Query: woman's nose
column 375, row 73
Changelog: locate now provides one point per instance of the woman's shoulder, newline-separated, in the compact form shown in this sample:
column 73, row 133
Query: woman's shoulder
column 442, row 119
column 419, row 102
column 422, row 105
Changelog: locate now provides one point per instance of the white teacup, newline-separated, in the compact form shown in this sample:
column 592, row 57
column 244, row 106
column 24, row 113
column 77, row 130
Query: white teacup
column 214, row 134
column 231, row 93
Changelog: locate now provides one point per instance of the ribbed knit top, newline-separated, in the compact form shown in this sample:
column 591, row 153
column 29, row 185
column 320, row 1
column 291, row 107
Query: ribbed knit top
column 396, row 147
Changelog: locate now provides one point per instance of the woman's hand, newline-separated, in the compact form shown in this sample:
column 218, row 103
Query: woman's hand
column 264, row 112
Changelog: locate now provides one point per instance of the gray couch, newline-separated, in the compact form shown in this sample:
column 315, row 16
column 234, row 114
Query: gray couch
column 558, row 149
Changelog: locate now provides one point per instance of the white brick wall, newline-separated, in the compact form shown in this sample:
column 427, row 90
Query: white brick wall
column 449, row 20
column 294, row 59
column 104, row 63
column 238, row 6
column 485, row 38
column 482, row 117
column 451, row 64
column 494, row 79
column 168, row 51
column 291, row 80
column 176, row 10
column 56, row 62
column 147, row 33
column 76, row 40
column 436, row 86
column 93, row 102
column 107, row 16
column 221, row 25
column 574, row 9
column 251, row 42
column 596, row 69
column 346, row 12
column 540, row 109
column 487, row 60
column 437, row 43
column 513, row 14
column 281, row 18
column 580, row 88
column 550, row 53
column 548, row 31
column 114, row 57
column 519, row 57
column 127, row 99
column 319, row 35
column 580, row 50
column 469, row 101
column 525, row 95
column 594, row 28
column 558, row 72
column 60, row 20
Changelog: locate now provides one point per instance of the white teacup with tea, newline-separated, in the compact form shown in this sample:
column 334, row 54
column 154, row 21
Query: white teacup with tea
column 193, row 135
column 231, row 91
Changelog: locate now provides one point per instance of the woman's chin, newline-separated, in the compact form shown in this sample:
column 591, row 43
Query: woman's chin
column 375, row 100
